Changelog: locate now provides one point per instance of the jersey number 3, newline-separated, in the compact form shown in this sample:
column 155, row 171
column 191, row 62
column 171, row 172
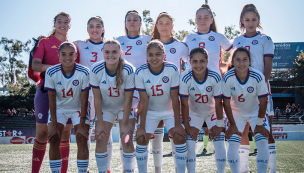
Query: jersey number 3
column 95, row 56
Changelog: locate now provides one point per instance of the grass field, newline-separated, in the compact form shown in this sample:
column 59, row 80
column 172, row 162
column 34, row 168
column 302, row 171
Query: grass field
column 17, row 158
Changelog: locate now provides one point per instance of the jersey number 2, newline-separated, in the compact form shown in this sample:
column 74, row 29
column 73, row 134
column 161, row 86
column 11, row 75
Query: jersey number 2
column 127, row 52
column 69, row 93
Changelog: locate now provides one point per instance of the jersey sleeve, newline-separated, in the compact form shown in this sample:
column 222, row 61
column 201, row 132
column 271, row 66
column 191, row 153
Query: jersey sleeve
column 183, row 87
column 39, row 50
column 94, row 79
column 175, row 80
column 49, row 82
column 226, row 89
column 262, row 90
column 76, row 43
column 268, row 47
column 139, row 81
column 225, row 43
column 217, row 89
column 85, row 82
column 129, row 82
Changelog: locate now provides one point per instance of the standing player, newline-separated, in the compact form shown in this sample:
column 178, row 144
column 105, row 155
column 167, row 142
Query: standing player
column 45, row 56
column 261, row 49
column 207, row 37
column 90, row 52
column 68, row 84
column 113, row 85
column 175, row 52
column 158, row 83
column 134, row 46
column 202, row 86
column 245, row 100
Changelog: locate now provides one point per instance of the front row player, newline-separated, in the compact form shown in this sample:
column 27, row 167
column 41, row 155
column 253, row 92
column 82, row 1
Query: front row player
column 68, row 88
column 245, row 100
column 202, row 86
column 158, row 83
column 112, row 81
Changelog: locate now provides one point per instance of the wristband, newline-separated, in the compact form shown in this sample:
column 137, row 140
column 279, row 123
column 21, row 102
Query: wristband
column 260, row 121
column 220, row 123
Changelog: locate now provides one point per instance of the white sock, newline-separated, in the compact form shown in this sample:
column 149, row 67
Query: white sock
column 82, row 165
column 191, row 156
column 272, row 157
column 129, row 160
column 101, row 160
column 263, row 152
column 181, row 152
column 142, row 154
column 173, row 151
column 55, row 165
column 110, row 150
column 220, row 153
column 121, row 155
column 157, row 148
column 233, row 153
column 244, row 156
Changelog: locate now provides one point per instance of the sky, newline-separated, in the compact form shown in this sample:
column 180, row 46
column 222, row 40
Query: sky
column 24, row 19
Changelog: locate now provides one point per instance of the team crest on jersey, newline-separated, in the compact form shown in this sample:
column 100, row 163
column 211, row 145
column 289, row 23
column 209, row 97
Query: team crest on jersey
column 165, row 79
column 75, row 82
column 211, row 38
column 209, row 88
column 173, row 50
column 138, row 42
column 250, row 89
column 40, row 115
column 255, row 42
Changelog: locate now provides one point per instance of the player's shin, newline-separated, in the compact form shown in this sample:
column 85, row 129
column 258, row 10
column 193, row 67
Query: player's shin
column 220, row 153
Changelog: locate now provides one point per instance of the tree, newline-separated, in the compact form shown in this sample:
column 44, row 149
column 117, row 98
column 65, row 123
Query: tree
column 299, row 73
column 230, row 33
column 149, row 23
column 13, row 50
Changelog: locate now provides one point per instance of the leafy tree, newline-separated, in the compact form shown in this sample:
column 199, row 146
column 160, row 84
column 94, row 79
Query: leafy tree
column 230, row 33
column 13, row 50
column 149, row 22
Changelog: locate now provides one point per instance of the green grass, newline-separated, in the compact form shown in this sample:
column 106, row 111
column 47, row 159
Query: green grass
column 17, row 158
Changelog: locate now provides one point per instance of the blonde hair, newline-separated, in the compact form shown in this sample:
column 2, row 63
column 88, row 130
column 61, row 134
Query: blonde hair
column 121, row 64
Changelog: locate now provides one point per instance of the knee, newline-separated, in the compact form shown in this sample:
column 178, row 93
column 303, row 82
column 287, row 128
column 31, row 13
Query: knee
column 41, row 135
column 179, row 139
column 102, row 139
column 81, row 140
column 142, row 141
column 66, row 135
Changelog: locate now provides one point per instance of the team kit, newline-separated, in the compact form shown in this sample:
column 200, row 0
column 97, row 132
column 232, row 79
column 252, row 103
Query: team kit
column 148, row 82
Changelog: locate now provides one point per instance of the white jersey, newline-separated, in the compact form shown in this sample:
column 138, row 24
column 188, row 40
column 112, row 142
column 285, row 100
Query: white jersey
column 134, row 49
column 201, row 94
column 176, row 52
column 89, row 53
column 213, row 42
column 158, row 86
column 68, row 89
column 111, row 97
column 245, row 94
column 259, row 45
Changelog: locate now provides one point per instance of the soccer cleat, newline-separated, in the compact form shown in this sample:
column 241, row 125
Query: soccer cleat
column 255, row 151
column 204, row 151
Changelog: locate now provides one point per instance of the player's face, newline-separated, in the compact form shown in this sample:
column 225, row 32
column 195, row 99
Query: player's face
column 199, row 63
column 164, row 26
column 203, row 21
column 155, row 57
column 111, row 53
column 95, row 29
column 250, row 21
column 67, row 56
column 133, row 23
column 62, row 24
column 241, row 62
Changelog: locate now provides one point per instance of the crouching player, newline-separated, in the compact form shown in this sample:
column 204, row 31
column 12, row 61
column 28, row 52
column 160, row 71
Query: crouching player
column 245, row 100
column 202, row 86
column 68, row 88
column 158, row 83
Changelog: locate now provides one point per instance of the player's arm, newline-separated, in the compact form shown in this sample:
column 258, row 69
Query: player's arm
column 268, row 57
column 98, row 110
column 267, row 67
column 176, row 110
column 38, row 66
column 191, row 131
column 144, row 102
column 84, row 107
column 127, row 106
column 216, row 130
column 52, row 127
column 232, row 128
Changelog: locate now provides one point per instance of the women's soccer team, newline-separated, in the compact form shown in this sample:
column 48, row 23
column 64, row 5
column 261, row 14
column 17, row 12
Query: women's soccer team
column 151, row 82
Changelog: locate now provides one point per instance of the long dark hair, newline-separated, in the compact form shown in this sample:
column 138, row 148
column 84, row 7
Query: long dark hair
column 240, row 49
column 135, row 13
column 101, row 21
column 55, row 18
column 249, row 8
